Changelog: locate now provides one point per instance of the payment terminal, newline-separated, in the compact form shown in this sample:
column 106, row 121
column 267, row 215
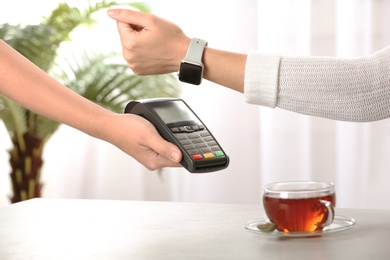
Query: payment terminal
column 178, row 124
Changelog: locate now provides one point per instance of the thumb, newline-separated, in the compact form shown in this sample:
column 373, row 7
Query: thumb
column 167, row 150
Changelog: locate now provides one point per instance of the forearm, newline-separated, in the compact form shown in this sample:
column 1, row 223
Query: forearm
column 23, row 82
column 341, row 89
column 225, row 68
column 31, row 87
column 304, row 85
column 355, row 90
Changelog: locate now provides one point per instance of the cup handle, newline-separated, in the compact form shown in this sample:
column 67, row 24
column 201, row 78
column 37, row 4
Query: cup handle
column 330, row 209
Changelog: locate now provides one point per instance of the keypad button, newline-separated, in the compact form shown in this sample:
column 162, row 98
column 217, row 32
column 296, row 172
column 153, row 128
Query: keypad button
column 201, row 145
column 208, row 155
column 215, row 148
column 212, row 143
column 185, row 142
column 181, row 136
column 193, row 136
column 197, row 157
column 190, row 147
column 219, row 154
column 197, row 140
column 204, row 134
column 193, row 151
column 205, row 150
column 188, row 129
column 208, row 139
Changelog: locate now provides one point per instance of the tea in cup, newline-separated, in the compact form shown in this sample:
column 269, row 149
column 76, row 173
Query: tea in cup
column 299, row 206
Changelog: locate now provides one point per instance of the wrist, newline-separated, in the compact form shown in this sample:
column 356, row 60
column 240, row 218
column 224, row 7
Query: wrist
column 101, row 122
column 182, row 50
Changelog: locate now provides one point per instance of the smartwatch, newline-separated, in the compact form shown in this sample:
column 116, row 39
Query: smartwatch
column 191, row 67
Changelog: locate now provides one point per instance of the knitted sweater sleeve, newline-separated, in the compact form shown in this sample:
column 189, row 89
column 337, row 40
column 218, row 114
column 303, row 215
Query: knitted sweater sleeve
column 347, row 89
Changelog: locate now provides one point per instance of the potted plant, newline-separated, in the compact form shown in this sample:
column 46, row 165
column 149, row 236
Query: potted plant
column 97, row 78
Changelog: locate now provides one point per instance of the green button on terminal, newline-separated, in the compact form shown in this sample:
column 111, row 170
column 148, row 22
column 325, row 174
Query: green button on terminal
column 219, row 154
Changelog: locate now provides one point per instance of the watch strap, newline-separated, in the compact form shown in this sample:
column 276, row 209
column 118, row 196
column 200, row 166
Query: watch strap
column 195, row 50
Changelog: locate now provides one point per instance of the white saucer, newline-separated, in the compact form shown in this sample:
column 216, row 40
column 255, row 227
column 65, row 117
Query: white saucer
column 340, row 223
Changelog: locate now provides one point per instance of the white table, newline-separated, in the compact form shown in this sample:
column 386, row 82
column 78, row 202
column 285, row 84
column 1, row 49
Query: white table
column 103, row 229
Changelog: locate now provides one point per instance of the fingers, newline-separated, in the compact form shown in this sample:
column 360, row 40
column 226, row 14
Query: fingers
column 161, row 153
column 164, row 154
column 166, row 149
column 134, row 18
column 170, row 151
column 159, row 163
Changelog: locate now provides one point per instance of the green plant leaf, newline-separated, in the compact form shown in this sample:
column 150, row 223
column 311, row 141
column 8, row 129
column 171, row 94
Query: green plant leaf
column 45, row 128
column 97, row 77
column 112, row 85
column 14, row 119
column 35, row 42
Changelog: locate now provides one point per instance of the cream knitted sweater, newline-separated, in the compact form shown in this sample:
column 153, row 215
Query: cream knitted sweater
column 347, row 89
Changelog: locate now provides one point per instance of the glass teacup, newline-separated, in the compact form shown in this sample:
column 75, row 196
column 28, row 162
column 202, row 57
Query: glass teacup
column 299, row 206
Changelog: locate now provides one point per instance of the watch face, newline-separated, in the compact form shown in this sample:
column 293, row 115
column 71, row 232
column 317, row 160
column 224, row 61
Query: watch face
column 190, row 73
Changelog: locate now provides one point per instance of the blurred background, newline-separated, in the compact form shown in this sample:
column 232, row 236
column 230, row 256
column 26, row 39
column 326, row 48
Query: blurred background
column 264, row 145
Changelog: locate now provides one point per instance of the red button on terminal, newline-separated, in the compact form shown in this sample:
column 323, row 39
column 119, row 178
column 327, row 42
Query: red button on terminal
column 197, row 156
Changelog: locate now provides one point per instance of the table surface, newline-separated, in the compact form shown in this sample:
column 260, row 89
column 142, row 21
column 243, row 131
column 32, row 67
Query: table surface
column 107, row 229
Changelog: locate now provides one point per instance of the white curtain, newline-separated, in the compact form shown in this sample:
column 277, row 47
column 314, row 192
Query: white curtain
column 264, row 144
column 354, row 156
